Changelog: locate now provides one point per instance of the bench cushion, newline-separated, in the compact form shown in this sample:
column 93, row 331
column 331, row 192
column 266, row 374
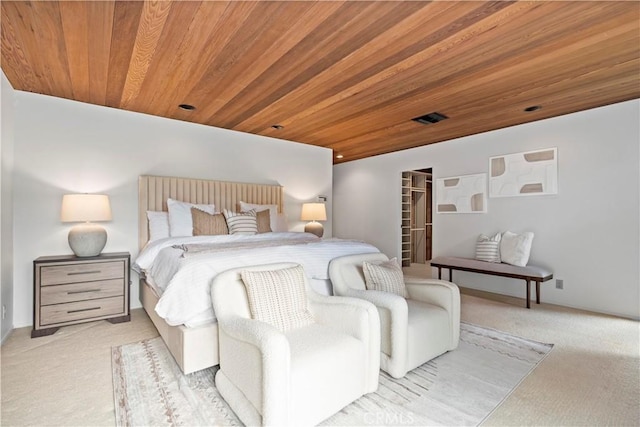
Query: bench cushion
column 530, row 271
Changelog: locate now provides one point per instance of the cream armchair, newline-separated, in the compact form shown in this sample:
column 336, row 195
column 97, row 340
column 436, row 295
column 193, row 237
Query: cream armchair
column 413, row 330
column 300, row 376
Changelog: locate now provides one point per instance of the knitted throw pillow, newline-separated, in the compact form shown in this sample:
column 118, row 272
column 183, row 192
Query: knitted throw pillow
column 385, row 276
column 278, row 297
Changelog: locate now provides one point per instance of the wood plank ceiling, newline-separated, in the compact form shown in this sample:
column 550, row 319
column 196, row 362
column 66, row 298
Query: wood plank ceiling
column 347, row 75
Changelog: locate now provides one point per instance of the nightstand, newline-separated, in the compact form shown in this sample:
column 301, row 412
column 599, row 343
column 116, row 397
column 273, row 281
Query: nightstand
column 68, row 290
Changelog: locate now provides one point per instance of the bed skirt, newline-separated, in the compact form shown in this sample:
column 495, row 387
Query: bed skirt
column 192, row 348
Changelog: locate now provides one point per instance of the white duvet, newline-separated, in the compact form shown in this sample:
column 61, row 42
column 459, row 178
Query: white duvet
column 184, row 279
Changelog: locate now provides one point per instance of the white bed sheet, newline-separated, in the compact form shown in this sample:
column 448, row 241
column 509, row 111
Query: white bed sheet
column 185, row 281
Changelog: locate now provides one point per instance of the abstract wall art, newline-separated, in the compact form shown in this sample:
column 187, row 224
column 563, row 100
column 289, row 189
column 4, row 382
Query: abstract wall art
column 531, row 173
column 462, row 194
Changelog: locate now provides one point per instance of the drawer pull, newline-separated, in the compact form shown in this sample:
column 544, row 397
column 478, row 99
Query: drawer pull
column 82, row 292
column 83, row 309
column 75, row 273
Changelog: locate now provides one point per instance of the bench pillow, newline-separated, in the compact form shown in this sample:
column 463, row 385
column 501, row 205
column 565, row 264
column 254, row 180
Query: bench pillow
column 488, row 248
column 516, row 248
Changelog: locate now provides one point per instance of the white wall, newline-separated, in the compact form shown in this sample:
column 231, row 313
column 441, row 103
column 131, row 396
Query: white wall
column 588, row 233
column 6, row 206
column 63, row 146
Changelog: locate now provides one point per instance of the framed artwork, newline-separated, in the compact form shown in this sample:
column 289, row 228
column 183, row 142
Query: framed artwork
column 462, row 194
column 531, row 173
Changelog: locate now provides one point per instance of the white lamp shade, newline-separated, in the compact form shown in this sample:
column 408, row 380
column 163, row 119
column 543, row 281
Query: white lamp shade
column 85, row 207
column 313, row 212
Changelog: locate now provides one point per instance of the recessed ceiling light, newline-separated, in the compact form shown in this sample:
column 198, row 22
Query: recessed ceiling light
column 186, row 107
column 532, row 108
column 339, row 156
column 427, row 119
column 277, row 127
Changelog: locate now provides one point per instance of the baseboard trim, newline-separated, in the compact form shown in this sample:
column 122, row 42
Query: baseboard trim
column 510, row 299
column 5, row 336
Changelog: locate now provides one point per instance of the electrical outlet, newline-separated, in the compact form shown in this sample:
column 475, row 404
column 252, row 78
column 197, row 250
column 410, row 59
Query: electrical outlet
column 4, row 311
column 559, row 284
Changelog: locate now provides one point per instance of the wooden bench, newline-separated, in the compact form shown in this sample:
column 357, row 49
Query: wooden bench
column 529, row 273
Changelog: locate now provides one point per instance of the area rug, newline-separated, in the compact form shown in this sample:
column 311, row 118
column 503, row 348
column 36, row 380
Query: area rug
column 461, row 387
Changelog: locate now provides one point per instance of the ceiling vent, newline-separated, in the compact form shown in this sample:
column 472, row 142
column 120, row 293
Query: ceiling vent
column 430, row 118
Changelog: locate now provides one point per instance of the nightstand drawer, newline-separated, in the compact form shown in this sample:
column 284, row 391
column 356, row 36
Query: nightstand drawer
column 81, row 291
column 82, row 310
column 81, row 272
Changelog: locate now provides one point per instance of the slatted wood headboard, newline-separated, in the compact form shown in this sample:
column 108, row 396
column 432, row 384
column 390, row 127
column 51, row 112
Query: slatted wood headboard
column 153, row 192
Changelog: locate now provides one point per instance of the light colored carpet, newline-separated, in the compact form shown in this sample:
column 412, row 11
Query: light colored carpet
column 461, row 387
column 592, row 376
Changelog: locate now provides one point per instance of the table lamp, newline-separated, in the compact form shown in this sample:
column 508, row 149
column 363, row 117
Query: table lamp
column 86, row 239
column 314, row 212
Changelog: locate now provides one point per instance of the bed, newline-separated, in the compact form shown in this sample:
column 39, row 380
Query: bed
column 182, row 268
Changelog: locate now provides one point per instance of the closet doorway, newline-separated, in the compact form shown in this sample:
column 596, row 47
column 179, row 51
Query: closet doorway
column 417, row 227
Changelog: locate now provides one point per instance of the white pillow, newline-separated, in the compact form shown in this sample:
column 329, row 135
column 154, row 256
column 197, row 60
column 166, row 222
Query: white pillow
column 515, row 248
column 385, row 276
column 488, row 248
column 281, row 224
column 241, row 222
column 180, row 221
column 278, row 297
column 158, row 225
column 273, row 211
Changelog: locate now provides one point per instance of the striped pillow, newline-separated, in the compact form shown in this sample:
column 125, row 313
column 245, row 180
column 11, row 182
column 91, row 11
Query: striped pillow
column 241, row 223
column 488, row 248
column 278, row 297
column 384, row 276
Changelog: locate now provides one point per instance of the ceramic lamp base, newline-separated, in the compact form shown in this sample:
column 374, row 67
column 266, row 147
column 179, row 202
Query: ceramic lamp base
column 314, row 228
column 87, row 239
